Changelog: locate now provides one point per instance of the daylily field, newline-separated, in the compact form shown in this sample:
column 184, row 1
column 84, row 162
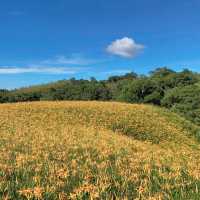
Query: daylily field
column 97, row 150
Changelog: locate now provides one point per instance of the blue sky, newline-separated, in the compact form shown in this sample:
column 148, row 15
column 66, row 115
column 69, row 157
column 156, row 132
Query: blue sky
column 48, row 40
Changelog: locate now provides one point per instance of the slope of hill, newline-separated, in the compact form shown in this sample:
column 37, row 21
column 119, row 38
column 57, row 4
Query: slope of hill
column 97, row 150
column 177, row 91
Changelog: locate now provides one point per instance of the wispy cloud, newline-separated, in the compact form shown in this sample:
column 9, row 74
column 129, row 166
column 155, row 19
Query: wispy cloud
column 57, row 65
column 125, row 47
column 117, row 71
column 75, row 59
column 74, row 64
column 39, row 69
column 16, row 13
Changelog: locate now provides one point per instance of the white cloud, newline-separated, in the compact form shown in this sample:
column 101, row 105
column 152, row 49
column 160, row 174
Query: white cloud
column 125, row 47
column 38, row 69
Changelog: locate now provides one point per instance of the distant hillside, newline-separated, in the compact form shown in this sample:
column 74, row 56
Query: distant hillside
column 97, row 150
column 177, row 91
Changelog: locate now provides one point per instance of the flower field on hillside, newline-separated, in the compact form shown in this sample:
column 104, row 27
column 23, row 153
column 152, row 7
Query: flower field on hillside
column 96, row 150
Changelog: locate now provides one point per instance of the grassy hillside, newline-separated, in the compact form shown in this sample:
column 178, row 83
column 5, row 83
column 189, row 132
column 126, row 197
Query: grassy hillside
column 176, row 91
column 96, row 150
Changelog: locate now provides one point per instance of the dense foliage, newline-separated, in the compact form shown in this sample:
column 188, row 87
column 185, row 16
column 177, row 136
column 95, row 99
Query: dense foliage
column 178, row 91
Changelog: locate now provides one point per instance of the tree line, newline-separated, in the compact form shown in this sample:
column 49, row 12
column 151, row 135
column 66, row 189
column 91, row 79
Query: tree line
column 177, row 91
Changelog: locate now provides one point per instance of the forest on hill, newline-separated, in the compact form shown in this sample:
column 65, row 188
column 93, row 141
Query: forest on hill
column 177, row 91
